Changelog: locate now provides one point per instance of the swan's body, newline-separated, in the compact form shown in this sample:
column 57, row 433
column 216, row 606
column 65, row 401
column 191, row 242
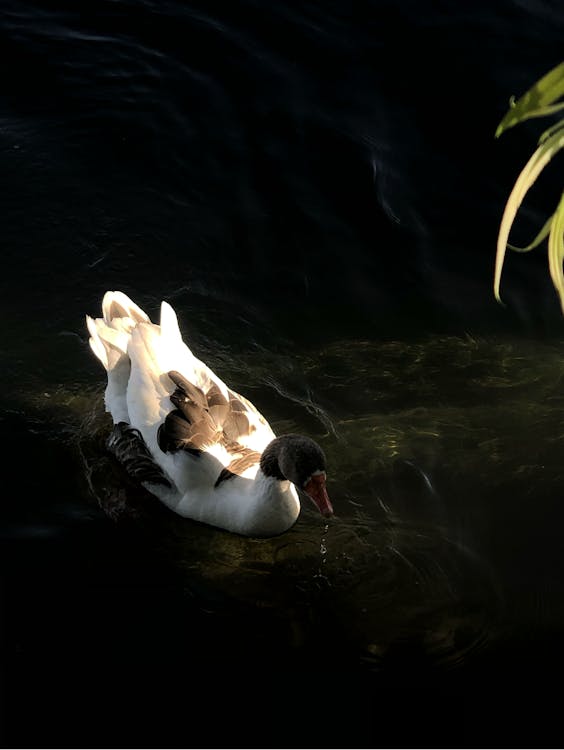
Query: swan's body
column 202, row 449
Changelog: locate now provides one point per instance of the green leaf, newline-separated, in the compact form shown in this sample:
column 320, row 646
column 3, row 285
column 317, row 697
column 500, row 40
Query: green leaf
column 526, row 179
column 556, row 251
column 551, row 130
column 537, row 101
column 538, row 239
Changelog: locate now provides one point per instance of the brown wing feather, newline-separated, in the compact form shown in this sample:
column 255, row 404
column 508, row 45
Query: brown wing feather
column 246, row 459
column 202, row 419
column 189, row 390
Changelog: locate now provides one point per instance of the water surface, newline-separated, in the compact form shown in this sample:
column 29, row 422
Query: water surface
column 319, row 201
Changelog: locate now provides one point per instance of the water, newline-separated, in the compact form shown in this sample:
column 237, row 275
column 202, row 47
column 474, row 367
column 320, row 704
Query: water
column 320, row 205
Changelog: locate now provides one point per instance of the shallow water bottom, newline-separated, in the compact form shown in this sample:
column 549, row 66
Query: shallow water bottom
column 429, row 606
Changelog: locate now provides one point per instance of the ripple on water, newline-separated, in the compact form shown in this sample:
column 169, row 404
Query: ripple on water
column 359, row 588
column 429, row 445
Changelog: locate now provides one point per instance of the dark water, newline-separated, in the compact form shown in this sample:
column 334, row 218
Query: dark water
column 317, row 190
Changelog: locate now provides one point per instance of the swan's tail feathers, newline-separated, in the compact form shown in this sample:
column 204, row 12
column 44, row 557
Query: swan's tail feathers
column 109, row 340
column 170, row 331
column 109, row 335
column 108, row 344
column 117, row 305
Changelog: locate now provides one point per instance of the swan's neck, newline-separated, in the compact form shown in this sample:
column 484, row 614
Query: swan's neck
column 274, row 507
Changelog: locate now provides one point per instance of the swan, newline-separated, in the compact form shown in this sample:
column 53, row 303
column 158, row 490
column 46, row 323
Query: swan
column 202, row 449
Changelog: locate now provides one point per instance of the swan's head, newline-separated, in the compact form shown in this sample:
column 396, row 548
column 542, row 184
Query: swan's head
column 301, row 460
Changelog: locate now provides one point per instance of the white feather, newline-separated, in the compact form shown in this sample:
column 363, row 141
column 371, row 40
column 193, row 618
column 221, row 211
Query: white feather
column 137, row 355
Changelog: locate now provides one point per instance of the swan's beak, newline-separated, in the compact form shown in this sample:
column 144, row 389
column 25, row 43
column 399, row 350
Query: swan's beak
column 315, row 488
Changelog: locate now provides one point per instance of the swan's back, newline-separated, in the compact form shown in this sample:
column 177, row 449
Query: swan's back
column 139, row 355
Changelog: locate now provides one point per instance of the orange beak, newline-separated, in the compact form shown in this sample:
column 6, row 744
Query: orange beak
column 315, row 489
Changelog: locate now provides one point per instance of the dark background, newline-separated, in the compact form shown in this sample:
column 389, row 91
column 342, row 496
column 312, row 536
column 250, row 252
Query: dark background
column 324, row 170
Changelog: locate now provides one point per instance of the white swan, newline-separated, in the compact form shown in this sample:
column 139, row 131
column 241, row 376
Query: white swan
column 202, row 449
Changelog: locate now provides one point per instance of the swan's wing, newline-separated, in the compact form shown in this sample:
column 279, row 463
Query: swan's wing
column 229, row 428
column 203, row 394
column 246, row 425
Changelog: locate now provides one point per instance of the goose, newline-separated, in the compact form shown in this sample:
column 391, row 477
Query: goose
column 198, row 446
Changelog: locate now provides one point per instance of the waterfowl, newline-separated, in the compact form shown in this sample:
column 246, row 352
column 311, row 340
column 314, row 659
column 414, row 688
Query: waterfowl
column 201, row 448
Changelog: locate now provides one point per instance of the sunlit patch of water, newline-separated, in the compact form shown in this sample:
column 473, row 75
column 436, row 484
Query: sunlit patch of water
column 368, row 578
column 444, row 461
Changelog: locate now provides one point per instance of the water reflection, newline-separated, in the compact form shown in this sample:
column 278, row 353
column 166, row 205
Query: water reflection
column 370, row 580
column 445, row 466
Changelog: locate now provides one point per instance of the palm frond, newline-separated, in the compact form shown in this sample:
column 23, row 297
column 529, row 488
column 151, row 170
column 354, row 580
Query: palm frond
column 532, row 169
column 538, row 101
column 538, row 239
column 556, row 251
